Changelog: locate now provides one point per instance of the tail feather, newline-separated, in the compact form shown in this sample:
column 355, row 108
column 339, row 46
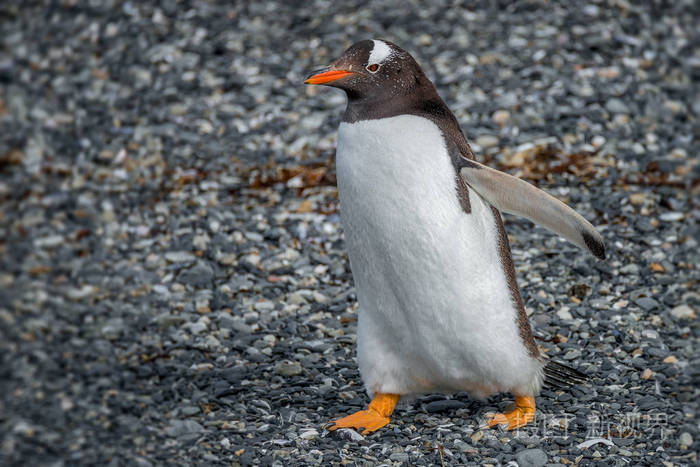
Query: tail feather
column 559, row 376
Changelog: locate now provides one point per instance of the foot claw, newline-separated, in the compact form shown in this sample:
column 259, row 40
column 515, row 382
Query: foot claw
column 521, row 415
column 330, row 426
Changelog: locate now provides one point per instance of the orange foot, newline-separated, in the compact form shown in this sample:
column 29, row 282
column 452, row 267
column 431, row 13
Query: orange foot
column 372, row 419
column 521, row 415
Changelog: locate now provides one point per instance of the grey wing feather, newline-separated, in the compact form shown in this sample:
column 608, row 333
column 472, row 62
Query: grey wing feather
column 512, row 195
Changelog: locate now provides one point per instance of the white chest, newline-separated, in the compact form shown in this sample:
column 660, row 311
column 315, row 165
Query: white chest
column 389, row 166
column 402, row 219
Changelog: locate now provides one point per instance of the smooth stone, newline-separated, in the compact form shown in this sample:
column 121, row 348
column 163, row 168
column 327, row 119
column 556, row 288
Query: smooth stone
column 399, row 457
column 444, row 405
column 190, row 410
column 565, row 314
column 179, row 256
column 201, row 274
column 287, row 368
column 348, row 434
column 630, row 269
column 671, row 216
column 113, row 329
column 309, row 434
column 183, row 427
column 683, row 312
column 643, row 224
column 686, row 439
column 501, row 117
column 647, row 303
column 487, row 141
column 166, row 320
column 531, row 458
column 617, row 106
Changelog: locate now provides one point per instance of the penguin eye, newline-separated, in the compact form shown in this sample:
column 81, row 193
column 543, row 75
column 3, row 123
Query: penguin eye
column 373, row 68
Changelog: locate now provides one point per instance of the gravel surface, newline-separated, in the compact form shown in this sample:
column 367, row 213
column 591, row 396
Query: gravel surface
column 173, row 282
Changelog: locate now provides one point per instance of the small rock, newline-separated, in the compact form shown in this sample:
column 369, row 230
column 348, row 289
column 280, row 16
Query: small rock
column 296, row 299
column 647, row 303
column 598, row 141
column 637, row 198
column 142, row 462
column 487, row 141
column 670, row 359
column 183, row 427
column 320, row 298
column 263, row 305
column 444, row 405
column 643, row 224
column 348, row 434
column 196, row 328
column 82, row 292
column 113, row 329
column 166, row 320
column 564, row 313
column 686, row 440
column 179, row 256
column 49, row 242
column 199, row 275
column 617, row 106
column 531, row 458
column 501, row 117
column 190, row 410
column 646, row 374
column 476, row 436
column 201, row 241
column 462, row 446
column 683, row 312
column 309, row 434
column 399, row 457
column 227, row 259
column 630, row 269
column 287, row 368
column 671, row 216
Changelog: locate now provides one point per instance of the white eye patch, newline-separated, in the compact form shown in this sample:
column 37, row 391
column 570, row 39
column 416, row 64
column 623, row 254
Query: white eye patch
column 380, row 52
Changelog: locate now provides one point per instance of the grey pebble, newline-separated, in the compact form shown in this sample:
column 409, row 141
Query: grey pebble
column 617, row 106
column 399, row 457
column 647, row 303
column 683, row 312
column 686, row 439
column 531, row 458
column 287, row 368
column 179, row 256
column 199, row 275
column 184, row 427
column 444, row 405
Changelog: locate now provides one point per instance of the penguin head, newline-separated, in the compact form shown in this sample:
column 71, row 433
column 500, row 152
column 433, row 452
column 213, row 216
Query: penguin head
column 372, row 69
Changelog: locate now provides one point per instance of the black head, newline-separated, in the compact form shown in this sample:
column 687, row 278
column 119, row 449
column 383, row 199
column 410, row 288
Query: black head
column 375, row 70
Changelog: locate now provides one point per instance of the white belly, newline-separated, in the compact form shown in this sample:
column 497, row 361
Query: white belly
column 435, row 310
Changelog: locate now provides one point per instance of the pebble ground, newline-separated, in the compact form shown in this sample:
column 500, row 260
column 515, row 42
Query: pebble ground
column 174, row 288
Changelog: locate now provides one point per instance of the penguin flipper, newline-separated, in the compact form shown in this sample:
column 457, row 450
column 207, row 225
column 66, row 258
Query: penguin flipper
column 512, row 195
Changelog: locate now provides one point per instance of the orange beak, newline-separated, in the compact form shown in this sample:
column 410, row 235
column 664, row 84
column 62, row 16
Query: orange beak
column 323, row 77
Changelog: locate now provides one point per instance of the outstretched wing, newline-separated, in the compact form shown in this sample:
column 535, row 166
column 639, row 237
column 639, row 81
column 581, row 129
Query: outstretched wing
column 512, row 195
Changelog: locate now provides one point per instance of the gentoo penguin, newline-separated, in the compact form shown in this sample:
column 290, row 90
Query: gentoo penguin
column 439, row 307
